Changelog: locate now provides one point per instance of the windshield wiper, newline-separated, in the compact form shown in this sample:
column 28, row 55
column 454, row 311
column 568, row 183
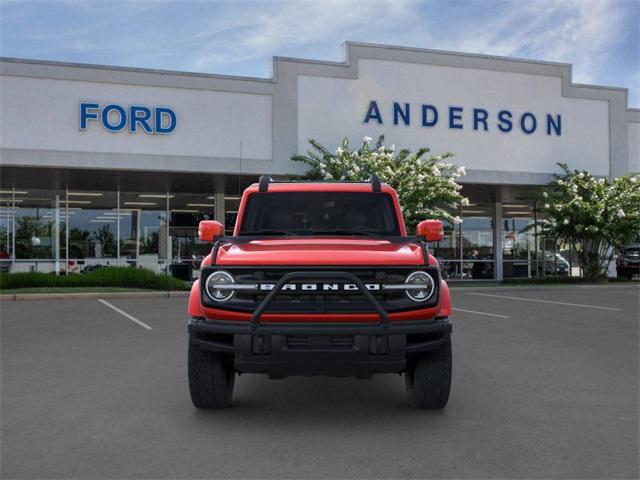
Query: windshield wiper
column 269, row 231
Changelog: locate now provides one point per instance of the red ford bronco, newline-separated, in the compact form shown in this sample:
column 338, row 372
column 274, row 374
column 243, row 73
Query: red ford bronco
column 320, row 279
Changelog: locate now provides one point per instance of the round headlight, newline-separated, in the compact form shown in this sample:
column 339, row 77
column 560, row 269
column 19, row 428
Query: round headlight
column 219, row 278
column 425, row 286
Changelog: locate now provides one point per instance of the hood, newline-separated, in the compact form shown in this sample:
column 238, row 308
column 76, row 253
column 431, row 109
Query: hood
column 320, row 251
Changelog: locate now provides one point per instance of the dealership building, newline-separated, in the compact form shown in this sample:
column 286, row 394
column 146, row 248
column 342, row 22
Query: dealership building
column 105, row 165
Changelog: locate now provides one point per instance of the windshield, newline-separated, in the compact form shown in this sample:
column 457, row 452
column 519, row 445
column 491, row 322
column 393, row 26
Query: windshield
column 320, row 213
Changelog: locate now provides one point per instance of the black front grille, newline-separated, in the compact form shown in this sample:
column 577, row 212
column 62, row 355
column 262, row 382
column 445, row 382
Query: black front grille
column 341, row 301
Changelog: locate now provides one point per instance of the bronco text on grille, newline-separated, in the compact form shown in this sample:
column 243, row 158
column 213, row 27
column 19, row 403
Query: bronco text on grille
column 320, row 279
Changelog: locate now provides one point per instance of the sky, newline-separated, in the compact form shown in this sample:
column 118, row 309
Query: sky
column 601, row 38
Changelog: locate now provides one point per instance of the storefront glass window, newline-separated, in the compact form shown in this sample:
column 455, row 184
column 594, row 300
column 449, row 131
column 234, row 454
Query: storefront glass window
column 144, row 229
column 6, row 230
column 448, row 251
column 187, row 210
column 39, row 223
column 92, row 230
column 518, row 240
column 477, row 242
column 231, row 204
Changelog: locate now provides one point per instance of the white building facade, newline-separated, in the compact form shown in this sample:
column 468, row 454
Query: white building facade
column 116, row 166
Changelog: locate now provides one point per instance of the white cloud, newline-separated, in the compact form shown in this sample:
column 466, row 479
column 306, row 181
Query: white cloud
column 240, row 37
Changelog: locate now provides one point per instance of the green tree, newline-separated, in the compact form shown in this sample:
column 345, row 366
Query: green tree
column 424, row 182
column 595, row 215
column 107, row 240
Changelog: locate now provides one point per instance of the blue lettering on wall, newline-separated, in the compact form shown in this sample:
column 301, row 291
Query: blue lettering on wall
column 429, row 110
column 455, row 114
column 480, row 119
column 121, row 115
column 114, row 118
column 556, row 125
column 480, row 115
column 504, row 121
column 87, row 112
column 373, row 112
column 399, row 112
column 140, row 115
column 532, row 124
column 162, row 126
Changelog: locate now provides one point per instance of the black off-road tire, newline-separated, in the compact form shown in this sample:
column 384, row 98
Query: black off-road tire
column 211, row 378
column 428, row 378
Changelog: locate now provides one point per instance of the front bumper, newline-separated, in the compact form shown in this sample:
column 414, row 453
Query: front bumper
column 336, row 349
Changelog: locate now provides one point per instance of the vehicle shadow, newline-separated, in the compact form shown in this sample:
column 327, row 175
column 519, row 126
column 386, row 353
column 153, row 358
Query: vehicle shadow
column 314, row 401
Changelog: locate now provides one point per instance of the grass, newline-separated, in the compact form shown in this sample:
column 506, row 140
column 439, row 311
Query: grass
column 101, row 280
column 72, row 290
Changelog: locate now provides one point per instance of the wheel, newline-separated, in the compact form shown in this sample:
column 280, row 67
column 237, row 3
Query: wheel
column 211, row 378
column 428, row 378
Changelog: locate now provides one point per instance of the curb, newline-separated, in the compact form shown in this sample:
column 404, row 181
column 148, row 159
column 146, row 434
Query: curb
column 90, row 295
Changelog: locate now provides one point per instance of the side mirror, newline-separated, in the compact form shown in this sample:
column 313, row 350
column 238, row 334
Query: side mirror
column 208, row 230
column 430, row 230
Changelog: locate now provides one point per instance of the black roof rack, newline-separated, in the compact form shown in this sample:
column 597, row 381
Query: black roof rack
column 375, row 183
column 265, row 180
column 264, row 183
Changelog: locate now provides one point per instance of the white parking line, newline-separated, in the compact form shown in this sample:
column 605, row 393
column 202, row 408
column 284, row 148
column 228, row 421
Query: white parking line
column 125, row 314
column 544, row 301
column 481, row 313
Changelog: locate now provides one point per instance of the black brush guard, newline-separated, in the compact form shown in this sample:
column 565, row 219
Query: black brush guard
column 262, row 306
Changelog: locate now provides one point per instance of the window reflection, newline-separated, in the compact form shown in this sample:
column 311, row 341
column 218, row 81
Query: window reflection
column 187, row 210
column 144, row 229
column 92, row 229
column 477, row 242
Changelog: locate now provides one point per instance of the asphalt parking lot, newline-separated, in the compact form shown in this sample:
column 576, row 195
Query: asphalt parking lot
column 545, row 385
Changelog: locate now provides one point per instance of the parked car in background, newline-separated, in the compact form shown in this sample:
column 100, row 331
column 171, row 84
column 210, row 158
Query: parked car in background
column 554, row 264
column 5, row 262
column 628, row 262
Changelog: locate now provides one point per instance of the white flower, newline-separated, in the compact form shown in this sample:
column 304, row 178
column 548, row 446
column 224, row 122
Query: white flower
column 464, row 202
column 367, row 139
column 457, row 220
column 545, row 195
column 461, row 171
column 560, row 182
column 621, row 213
column 339, row 151
column 634, row 179
column 565, row 221
column 392, row 148
column 581, row 175
column 546, row 205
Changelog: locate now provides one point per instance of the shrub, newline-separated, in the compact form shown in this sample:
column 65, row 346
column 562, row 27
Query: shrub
column 595, row 215
column 125, row 277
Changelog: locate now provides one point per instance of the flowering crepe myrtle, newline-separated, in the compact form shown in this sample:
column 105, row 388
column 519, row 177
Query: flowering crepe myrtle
column 422, row 181
column 597, row 216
